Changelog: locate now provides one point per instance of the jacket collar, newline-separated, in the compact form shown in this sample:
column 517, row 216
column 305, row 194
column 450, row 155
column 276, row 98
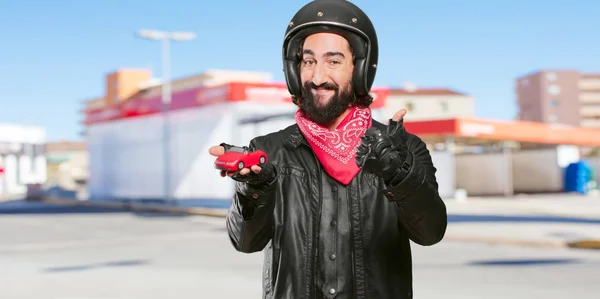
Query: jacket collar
column 294, row 137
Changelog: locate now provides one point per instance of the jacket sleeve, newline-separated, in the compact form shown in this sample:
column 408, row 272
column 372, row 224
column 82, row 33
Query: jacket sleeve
column 421, row 209
column 249, row 220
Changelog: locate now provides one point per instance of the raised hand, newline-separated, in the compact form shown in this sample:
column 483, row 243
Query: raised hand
column 380, row 153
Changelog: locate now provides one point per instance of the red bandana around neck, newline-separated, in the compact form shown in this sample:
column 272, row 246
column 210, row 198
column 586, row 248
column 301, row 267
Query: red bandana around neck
column 336, row 149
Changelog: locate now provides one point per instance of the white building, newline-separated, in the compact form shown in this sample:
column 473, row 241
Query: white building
column 127, row 158
column 126, row 140
column 429, row 103
column 21, row 158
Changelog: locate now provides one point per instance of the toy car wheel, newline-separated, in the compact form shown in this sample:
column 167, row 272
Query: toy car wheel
column 262, row 160
column 241, row 165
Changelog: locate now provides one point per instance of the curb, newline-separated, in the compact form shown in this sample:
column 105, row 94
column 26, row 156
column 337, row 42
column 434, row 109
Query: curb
column 585, row 244
column 137, row 207
column 508, row 242
column 580, row 244
column 540, row 210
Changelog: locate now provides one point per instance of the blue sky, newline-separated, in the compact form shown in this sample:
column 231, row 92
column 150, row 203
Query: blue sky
column 55, row 54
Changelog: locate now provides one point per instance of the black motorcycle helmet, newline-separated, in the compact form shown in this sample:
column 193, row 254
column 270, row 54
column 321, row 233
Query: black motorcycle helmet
column 335, row 16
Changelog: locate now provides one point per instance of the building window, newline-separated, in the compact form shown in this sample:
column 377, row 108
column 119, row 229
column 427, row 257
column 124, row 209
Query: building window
column 553, row 89
column 444, row 106
column 554, row 103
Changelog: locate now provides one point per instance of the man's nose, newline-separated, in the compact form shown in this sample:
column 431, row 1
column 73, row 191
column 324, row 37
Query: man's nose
column 319, row 76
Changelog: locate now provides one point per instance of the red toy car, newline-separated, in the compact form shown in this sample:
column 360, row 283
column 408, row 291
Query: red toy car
column 237, row 158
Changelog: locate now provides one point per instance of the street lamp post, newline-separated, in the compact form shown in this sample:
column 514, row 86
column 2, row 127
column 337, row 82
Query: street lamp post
column 165, row 38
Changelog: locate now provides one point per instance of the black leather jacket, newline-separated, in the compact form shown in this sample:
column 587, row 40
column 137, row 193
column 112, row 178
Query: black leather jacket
column 326, row 240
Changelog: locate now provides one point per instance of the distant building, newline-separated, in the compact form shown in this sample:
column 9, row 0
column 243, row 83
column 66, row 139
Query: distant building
column 131, row 158
column 125, row 84
column 559, row 96
column 67, row 164
column 21, row 158
column 422, row 103
column 429, row 103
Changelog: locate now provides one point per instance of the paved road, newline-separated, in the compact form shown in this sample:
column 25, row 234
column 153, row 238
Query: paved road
column 75, row 253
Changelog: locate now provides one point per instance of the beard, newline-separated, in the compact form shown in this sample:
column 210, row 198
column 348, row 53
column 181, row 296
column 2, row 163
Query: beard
column 329, row 112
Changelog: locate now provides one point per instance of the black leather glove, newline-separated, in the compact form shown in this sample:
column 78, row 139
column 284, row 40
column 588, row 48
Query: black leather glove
column 384, row 154
column 265, row 177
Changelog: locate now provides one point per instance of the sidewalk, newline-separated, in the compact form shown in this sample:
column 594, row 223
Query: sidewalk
column 556, row 220
column 550, row 221
column 531, row 234
column 565, row 205
column 6, row 198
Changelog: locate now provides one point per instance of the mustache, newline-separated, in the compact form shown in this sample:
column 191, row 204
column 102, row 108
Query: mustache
column 326, row 85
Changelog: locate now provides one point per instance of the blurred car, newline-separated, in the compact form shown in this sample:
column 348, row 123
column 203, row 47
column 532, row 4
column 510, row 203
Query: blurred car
column 238, row 158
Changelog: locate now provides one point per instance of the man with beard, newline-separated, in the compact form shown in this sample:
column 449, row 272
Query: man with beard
column 342, row 195
column 331, row 108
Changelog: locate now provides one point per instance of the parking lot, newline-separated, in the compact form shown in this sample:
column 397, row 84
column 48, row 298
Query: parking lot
column 67, row 253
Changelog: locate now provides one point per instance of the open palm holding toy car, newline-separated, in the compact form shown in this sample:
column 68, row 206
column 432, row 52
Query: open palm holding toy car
column 237, row 158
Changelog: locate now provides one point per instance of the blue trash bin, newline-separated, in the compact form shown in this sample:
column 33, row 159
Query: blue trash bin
column 577, row 177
